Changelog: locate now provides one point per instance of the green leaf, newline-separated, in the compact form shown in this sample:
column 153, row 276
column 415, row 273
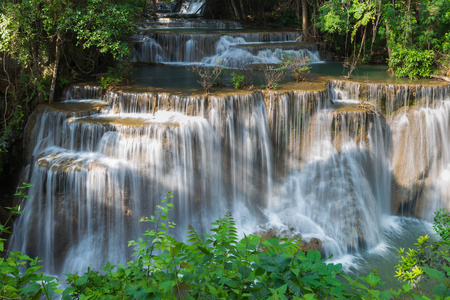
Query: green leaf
column 434, row 273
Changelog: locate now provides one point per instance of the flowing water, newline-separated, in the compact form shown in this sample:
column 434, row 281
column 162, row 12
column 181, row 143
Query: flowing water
column 345, row 164
column 227, row 48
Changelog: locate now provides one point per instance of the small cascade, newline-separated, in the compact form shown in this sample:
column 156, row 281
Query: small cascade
column 337, row 172
column 290, row 115
column 421, row 158
column 88, row 92
column 388, row 98
column 192, row 7
column 236, row 52
column 418, row 116
column 209, row 48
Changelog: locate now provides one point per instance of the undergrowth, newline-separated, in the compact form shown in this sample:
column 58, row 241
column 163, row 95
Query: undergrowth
column 218, row 265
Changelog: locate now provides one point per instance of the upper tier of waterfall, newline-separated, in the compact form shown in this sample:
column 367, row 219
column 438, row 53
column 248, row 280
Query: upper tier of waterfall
column 230, row 49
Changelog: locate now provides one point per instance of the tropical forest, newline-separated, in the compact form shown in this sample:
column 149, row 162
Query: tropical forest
column 225, row 149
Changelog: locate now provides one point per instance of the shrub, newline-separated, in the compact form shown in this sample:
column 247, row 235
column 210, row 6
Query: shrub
column 207, row 76
column 238, row 80
column 429, row 260
column 217, row 266
column 412, row 63
column 113, row 77
column 221, row 266
column 298, row 67
column 273, row 75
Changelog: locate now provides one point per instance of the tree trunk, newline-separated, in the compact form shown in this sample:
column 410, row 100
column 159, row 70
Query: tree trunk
column 315, row 5
column 51, row 97
column 305, row 20
column 242, row 9
column 154, row 9
column 235, row 10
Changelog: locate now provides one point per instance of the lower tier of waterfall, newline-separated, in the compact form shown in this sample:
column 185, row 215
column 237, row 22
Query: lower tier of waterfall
column 334, row 164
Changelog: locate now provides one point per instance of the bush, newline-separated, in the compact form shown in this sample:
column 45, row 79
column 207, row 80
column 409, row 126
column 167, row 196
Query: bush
column 429, row 260
column 113, row 77
column 297, row 66
column 273, row 75
column 208, row 76
column 412, row 63
column 19, row 276
column 238, row 80
column 221, row 266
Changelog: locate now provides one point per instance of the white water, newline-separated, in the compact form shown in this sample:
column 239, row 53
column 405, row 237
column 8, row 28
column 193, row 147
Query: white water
column 192, row 7
column 230, row 50
column 230, row 53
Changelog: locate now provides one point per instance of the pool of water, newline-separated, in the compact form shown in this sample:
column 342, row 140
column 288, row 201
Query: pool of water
column 173, row 78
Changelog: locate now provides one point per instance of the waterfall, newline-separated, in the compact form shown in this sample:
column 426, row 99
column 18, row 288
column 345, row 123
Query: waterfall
column 337, row 171
column 328, row 164
column 418, row 117
column 209, row 47
column 192, row 7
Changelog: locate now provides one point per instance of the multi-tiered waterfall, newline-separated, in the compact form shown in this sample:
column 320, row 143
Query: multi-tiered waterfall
column 330, row 164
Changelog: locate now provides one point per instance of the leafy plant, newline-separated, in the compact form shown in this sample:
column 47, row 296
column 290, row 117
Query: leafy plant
column 219, row 265
column 412, row 63
column 429, row 259
column 113, row 77
column 298, row 67
column 238, row 80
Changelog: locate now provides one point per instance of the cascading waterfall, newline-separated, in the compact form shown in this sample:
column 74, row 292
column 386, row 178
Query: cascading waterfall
column 329, row 164
column 229, row 49
column 337, row 172
column 231, row 53
column 95, row 175
column 418, row 117
column 192, row 7
column 320, row 164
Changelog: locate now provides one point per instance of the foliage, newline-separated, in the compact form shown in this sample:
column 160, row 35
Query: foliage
column 242, row 77
column 66, row 38
column 429, row 259
column 238, row 80
column 218, row 265
column 412, row 63
column 273, row 75
column 410, row 34
column 113, row 77
column 101, row 24
column 297, row 66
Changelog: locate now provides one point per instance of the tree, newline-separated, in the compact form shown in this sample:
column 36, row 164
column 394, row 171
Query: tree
column 305, row 20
